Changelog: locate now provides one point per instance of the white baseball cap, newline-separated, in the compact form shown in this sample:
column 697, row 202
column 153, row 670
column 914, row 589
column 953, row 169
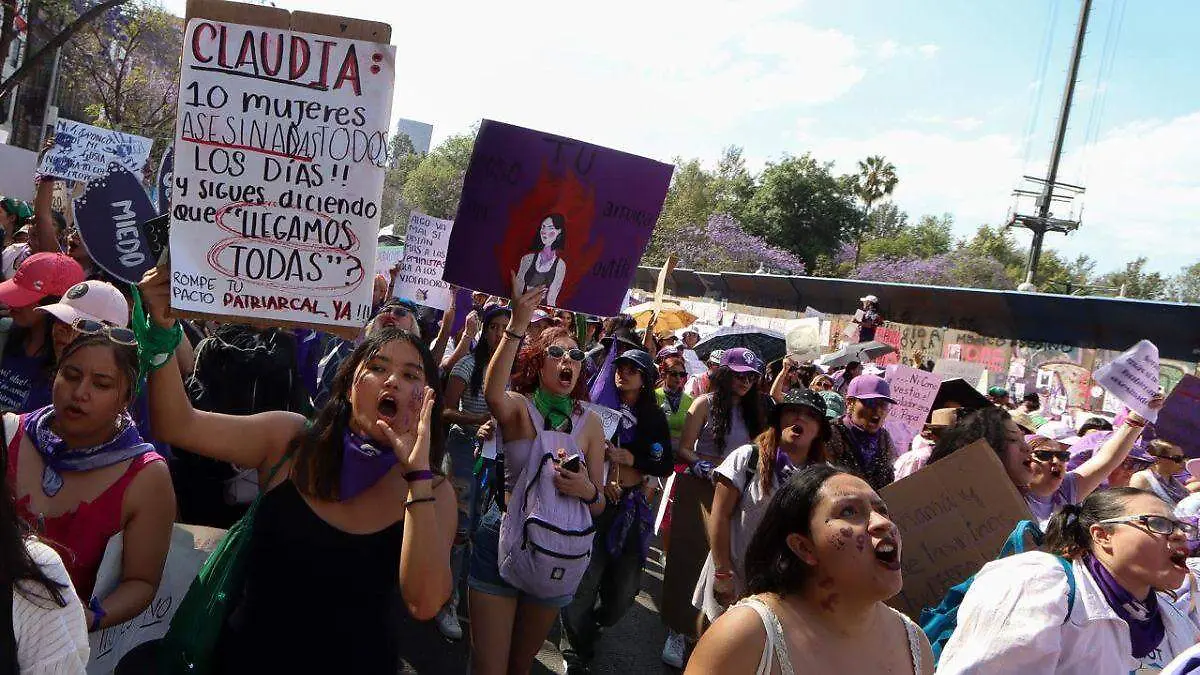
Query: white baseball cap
column 95, row 300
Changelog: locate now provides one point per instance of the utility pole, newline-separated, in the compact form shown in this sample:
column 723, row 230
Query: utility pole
column 1043, row 222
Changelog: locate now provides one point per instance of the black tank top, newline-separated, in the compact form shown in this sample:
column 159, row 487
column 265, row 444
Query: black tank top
column 534, row 278
column 317, row 599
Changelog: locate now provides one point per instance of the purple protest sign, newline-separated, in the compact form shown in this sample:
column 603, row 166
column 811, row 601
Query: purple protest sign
column 1179, row 419
column 560, row 213
column 109, row 215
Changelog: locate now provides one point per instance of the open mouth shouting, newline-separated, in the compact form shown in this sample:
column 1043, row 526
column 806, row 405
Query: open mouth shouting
column 566, row 377
column 887, row 553
column 387, row 406
column 1179, row 559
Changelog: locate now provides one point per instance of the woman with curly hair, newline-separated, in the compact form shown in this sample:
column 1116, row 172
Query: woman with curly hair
column 727, row 417
column 508, row 625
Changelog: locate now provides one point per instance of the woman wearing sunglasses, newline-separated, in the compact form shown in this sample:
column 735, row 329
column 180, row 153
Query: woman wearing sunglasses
column 352, row 516
column 1160, row 477
column 674, row 401
column 82, row 473
column 508, row 626
column 1125, row 550
column 727, row 417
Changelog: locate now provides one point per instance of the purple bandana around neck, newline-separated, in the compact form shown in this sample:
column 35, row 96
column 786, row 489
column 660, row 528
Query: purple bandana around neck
column 125, row 444
column 783, row 466
column 865, row 443
column 1146, row 629
column 363, row 465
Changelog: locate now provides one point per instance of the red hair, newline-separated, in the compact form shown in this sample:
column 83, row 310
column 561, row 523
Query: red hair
column 528, row 370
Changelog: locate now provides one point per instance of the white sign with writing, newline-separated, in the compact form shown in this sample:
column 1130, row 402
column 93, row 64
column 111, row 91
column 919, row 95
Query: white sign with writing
column 387, row 257
column 280, row 151
column 420, row 276
column 609, row 418
column 83, row 152
column 1133, row 378
column 190, row 546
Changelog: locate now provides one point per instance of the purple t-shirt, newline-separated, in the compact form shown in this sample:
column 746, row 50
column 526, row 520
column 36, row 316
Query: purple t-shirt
column 1045, row 507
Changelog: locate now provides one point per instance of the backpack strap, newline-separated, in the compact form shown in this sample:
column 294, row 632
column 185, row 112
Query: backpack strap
column 1070, row 570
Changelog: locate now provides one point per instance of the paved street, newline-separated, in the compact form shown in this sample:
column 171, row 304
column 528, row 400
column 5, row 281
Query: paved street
column 634, row 645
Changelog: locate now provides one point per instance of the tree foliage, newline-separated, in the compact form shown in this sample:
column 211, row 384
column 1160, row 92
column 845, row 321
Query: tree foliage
column 433, row 186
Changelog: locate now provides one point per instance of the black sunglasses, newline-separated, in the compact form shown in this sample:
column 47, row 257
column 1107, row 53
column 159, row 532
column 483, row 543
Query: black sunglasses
column 121, row 336
column 1047, row 455
column 1178, row 459
column 556, row 352
column 675, row 373
column 398, row 311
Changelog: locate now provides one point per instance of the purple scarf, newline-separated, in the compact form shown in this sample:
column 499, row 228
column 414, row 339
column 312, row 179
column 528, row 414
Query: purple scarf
column 1146, row 629
column 633, row 511
column 126, row 444
column 362, row 465
column 627, row 427
column 783, row 467
column 865, row 444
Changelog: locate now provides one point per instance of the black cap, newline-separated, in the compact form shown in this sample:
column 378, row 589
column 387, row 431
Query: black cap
column 641, row 360
column 801, row 398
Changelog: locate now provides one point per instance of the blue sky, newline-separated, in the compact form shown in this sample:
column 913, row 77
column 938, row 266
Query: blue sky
column 943, row 88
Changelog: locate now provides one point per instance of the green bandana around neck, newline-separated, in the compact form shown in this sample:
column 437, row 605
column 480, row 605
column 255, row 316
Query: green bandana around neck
column 556, row 408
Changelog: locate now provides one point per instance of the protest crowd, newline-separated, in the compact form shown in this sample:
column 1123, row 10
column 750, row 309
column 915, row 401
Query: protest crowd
column 224, row 487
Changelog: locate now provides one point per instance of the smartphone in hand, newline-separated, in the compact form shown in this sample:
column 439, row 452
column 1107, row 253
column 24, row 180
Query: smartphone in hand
column 574, row 464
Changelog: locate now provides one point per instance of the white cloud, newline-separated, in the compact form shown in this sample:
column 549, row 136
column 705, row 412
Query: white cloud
column 888, row 49
column 928, row 51
column 1143, row 193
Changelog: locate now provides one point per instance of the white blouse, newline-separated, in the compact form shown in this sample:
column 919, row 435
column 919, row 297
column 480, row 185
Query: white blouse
column 51, row 640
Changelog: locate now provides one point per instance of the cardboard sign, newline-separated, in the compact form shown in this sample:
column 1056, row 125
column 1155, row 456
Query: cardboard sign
column 83, row 152
column 1179, row 419
column 914, row 391
column 110, row 214
column 17, row 165
column 560, row 213
column 803, row 338
column 190, row 546
column 949, row 369
column 278, row 173
column 1133, row 378
column 420, row 276
column 953, row 516
column 387, row 257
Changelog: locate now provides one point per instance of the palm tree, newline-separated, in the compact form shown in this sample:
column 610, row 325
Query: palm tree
column 876, row 180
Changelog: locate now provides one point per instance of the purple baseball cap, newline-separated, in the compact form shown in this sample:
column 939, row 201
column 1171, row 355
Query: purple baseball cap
column 870, row 387
column 742, row 360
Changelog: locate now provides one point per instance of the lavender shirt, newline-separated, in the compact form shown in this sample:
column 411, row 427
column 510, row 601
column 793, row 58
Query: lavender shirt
column 1045, row 507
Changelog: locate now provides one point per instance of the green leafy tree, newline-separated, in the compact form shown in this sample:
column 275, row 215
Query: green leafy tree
column 876, row 180
column 696, row 195
column 929, row 237
column 402, row 159
column 435, row 184
column 1135, row 282
column 800, row 206
column 122, row 72
column 1185, row 287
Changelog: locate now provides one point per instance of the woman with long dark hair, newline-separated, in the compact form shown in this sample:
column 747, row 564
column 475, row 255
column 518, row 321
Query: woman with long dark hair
column 81, row 473
column 49, row 632
column 467, row 411
column 640, row 448
column 352, row 516
column 794, row 438
column 509, row 625
column 1124, row 549
column 727, row 417
column 543, row 267
column 819, row 568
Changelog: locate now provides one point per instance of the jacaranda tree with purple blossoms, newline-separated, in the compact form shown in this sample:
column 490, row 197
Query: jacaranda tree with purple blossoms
column 722, row 245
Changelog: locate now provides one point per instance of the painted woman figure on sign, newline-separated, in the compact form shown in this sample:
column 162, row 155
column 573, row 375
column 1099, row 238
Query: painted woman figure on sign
column 543, row 267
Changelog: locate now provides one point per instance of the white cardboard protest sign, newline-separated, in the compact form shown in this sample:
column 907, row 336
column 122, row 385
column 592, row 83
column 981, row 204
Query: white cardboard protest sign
column 803, row 338
column 420, row 276
column 83, row 152
column 190, row 546
column 387, row 257
column 914, row 391
column 280, row 156
column 609, row 418
column 1133, row 378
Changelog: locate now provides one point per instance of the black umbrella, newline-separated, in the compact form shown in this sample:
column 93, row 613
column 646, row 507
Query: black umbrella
column 863, row 352
column 768, row 344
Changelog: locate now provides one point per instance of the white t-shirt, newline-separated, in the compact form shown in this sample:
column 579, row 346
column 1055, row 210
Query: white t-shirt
column 11, row 259
column 744, row 521
column 51, row 640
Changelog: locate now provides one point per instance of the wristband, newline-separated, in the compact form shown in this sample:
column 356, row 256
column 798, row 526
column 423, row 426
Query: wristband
column 514, row 335
column 422, row 500
column 98, row 613
column 593, row 500
column 421, row 474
